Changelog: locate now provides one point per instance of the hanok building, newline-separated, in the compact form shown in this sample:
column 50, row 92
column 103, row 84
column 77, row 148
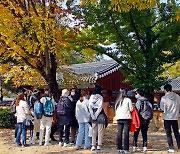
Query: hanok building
column 175, row 82
column 105, row 73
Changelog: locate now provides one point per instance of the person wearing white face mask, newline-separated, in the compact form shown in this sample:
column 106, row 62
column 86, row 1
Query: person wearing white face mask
column 74, row 97
column 144, row 123
column 72, row 93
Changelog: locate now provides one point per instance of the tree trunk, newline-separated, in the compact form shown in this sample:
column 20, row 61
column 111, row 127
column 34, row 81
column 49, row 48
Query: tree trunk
column 149, row 94
column 50, row 75
column 53, row 86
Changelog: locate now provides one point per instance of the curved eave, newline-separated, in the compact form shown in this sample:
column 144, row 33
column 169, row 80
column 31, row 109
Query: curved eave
column 98, row 75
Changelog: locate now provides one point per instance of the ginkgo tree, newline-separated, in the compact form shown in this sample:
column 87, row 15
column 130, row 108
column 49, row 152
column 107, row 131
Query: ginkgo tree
column 36, row 40
column 142, row 37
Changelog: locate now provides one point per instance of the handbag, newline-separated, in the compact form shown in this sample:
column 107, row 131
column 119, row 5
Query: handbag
column 101, row 119
column 27, row 124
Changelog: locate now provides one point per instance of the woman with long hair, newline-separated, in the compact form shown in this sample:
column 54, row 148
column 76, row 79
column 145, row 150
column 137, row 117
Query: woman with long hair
column 22, row 112
column 123, row 109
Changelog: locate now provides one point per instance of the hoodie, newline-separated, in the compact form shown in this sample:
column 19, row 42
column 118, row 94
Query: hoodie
column 95, row 103
column 170, row 104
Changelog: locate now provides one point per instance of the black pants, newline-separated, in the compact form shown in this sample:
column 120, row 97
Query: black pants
column 67, row 132
column 174, row 124
column 53, row 130
column 123, row 124
column 144, row 129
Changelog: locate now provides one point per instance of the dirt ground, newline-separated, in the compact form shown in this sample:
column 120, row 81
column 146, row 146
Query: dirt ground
column 157, row 144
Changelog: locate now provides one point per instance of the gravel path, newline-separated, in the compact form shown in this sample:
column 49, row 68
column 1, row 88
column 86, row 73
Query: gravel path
column 157, row 144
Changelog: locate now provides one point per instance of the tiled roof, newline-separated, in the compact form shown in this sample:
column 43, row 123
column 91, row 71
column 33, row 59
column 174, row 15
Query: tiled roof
column 175, row 82
column 95, row 70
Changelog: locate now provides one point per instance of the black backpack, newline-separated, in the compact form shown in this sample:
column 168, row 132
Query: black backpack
column 13, row 107
column 146, row 110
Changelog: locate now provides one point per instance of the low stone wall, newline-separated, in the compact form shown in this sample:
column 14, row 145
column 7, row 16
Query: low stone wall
column 156, row 124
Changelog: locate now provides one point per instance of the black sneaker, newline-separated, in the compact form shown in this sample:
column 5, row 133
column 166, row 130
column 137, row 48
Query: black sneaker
column 72, row 143
column 53, row 139
column 24, row 145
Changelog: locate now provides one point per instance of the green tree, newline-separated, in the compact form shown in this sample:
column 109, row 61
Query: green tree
column 142, row 41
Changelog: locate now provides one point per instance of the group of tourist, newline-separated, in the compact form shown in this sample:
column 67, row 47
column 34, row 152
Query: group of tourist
column 137, row 118
column 82, row 112
column 73, row 111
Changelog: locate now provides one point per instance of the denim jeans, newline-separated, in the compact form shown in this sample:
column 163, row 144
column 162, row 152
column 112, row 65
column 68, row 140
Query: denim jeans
column 174, row 124
column 144, row 129
column 67, row 132
column 123, row 124
column 83, row 131
column 20, row 130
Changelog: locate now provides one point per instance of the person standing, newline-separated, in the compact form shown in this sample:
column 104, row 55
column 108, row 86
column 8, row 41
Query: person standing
column 170, row 104
column 123, row 109
column 144, row 123
column 22, row 112
column 33, row 98
column 54, row 127
column 74, row 97
column 82, row 116
column 46, row 120
column 99, row 119
column 64, row 113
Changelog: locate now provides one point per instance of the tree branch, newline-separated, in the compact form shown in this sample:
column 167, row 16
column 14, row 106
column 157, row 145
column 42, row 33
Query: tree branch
column 136, row 31
column 123, row 41
column 118, row 32
column 34, row 8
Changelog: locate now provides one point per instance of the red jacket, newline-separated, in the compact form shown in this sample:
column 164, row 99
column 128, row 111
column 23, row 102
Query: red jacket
column 135, row 121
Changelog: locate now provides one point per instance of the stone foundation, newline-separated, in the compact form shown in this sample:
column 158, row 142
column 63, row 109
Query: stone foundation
column 156, row 124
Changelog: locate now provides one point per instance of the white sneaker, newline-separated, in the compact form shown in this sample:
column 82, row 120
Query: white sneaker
column 171, row 151
column 127, row 152
column 144, row 149
column 47, row 144
column 93, row 148
column 98, row 147
column 40, row 144
column 65, row 145
column 134, row 149
column 61, row 143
